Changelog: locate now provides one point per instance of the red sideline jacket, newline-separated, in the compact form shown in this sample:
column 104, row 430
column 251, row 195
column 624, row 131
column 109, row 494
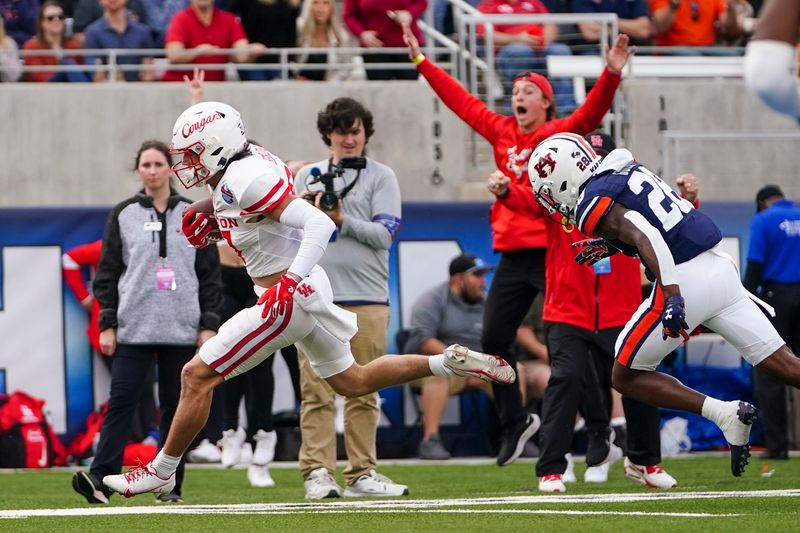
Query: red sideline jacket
column 512, row 148
column 574, row 294
column 72, row 261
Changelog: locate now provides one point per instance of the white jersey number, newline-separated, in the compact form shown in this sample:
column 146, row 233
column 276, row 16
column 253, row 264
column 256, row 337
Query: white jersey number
column 670, row 215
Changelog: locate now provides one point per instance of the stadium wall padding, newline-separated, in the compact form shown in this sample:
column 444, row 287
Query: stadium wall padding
column 43, row 346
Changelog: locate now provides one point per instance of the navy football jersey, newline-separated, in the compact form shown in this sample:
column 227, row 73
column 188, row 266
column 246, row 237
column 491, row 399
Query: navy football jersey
column 687, row 232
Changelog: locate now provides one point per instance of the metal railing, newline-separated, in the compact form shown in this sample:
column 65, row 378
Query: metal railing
column 284, row 65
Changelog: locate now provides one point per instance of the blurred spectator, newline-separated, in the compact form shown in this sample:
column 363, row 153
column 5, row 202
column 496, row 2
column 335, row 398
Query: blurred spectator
column 72, row 261
column 745, row 22
column 524, row 47
column 272, row 23
column 159, row 14
column 19, row 17
column 159, row 299
column 443, row 15
column 693, row 23
column 202, row 28
column 10, row 64
column 116, row 29
column 450, row 313
column 88, row 11
column 376, row 23
column 50, row 36
column 320, row 26
column 634, row 19
column 773, row 272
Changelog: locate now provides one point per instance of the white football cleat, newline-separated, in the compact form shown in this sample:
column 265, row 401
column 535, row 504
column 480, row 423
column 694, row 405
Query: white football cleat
column 232, row 440
column 650, row 476
column 264, row 451
column 138, row 480
column 599, row 473
column 552, row 483
column 569, row 473
column 205, row 452
column 259, row 477
column 468, row 363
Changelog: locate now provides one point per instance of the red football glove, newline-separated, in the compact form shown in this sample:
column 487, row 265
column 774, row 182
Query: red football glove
column 196, row 226
column 594, row 250
column 276, row 297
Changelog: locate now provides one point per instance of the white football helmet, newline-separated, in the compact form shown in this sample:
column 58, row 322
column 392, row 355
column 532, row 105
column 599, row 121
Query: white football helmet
column 557, row 169
column 206, row 136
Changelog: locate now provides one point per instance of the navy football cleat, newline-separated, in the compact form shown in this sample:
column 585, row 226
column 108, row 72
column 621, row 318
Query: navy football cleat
column 740, row 454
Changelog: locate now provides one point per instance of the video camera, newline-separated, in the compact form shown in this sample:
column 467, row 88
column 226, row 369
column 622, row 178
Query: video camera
column 330, row 198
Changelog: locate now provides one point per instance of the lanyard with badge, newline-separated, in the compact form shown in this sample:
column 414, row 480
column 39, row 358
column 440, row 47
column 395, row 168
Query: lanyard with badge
column 603, row 266
column 165, row 274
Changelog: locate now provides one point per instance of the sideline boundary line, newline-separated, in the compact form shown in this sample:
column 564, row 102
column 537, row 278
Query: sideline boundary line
column 422, row 506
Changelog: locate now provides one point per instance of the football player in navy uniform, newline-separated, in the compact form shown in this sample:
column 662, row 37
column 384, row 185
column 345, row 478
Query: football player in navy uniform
column 633, row 211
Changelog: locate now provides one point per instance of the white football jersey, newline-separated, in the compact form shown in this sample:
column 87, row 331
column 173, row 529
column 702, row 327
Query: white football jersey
column 250, row 188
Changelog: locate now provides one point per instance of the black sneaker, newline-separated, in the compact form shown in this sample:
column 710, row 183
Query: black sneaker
column 514, row 442
column 598, row 446
column 170, row 497
column 90, row 487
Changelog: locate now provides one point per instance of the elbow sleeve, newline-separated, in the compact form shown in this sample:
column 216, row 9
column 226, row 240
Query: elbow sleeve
column 770, row 72
column 317, row 230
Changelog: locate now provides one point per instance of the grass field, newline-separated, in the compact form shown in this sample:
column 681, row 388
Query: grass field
column 444, row 497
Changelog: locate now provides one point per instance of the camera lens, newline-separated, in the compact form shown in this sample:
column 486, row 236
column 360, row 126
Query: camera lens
column 329, row 201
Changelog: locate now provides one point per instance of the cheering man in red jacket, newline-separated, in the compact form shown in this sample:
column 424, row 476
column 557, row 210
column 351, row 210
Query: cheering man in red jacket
column 518, row 236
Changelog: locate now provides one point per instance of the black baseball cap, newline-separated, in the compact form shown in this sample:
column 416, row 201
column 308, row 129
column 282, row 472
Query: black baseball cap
column 602, row 142
column 469, row 263
column 765, row 193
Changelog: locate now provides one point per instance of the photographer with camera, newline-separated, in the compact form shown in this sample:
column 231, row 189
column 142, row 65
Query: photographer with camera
column 362, row 197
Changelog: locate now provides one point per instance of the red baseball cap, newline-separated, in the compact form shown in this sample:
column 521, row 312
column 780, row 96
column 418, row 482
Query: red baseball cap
column 538, row 80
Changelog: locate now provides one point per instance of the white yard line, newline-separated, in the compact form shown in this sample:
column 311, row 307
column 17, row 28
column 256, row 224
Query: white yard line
column 426, row 506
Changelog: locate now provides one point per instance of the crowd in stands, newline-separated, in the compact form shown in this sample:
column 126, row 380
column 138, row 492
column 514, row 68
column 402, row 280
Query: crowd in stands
column 191, row 30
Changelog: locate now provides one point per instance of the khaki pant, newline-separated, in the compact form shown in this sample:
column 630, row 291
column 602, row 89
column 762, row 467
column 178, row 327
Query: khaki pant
column 317, row 411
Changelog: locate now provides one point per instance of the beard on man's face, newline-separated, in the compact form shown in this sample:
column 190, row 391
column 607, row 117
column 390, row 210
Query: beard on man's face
column 470, row 299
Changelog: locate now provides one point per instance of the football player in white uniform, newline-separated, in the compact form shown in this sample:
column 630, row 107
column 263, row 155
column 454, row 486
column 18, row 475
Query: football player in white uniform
column 281, row 238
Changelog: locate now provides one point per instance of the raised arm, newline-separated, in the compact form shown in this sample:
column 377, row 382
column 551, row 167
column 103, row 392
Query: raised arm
column 468, row 108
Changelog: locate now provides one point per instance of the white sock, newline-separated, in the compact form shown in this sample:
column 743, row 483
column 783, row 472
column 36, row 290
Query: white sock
column 436, row 363
column 165, row 465
column 716, row 410
column 617, row 421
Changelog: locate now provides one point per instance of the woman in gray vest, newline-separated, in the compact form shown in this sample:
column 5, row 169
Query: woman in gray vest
column 159, row 299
